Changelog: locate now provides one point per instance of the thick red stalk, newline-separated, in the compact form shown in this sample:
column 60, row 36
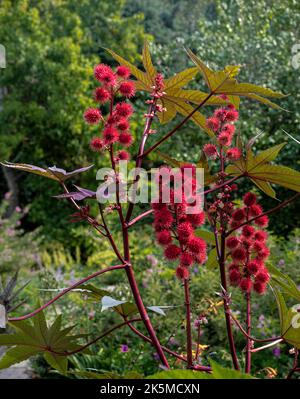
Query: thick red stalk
column 78, row 283
column 189, row 344
column 249, row 341
column 224, row 283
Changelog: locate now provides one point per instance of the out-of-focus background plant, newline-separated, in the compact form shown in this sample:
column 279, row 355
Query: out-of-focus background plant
column 51, row 47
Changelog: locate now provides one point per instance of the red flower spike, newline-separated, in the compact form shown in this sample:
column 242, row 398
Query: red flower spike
column 249, row 199
column 92, row 116
column 172, row 252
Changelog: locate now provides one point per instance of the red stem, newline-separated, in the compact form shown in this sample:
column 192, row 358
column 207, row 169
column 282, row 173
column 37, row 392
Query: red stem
column 139, row 217
column 84, row 280
column 167, row 350
column 189, row 345
column 249, row 342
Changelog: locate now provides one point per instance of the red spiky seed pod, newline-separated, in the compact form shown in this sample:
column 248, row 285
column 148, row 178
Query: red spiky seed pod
column 101, row 95
column 123, row 125
column 196, row 219
column 238, row 215
column 164, row 237
column 253, row 267
column 186, row 259
column 255, row 210
column 260, row 236
column 232, row 242
column 125, row 139
column 197, row 245
column 224, row 139
column 92, row 116
column 172, row 252
column 210, row 150
column 213, row 123
column 123, row 110
column 263, row 221
column 123, row 72
column 184, row 229
column 263, row 276
column 235, row 277
column 110, row 135
column 233, row 154
column 182, row 273
column 239, row 254
column 248, row 231
column 163, row 219
column 96, row 144
column 246, row 284
column 259, row 287
column 123, row 155
column 249, row 199
column 232, row 115
column 127, row 89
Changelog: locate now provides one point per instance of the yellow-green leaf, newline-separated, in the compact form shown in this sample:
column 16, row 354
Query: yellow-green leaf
column 147, row 62
column 181, row 79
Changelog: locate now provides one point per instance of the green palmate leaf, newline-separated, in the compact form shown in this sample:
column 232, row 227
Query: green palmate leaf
column 224, row 82
column 218, row 372
column 262, row 173
column 180, row 79
column 16, row 355
column 175, row 100
column 57, row 362
column 212, row 259
column 147, row 62
column 283, row 281
column 52, row 173
column 208, row 236
column 289, row 319
column 35, row 337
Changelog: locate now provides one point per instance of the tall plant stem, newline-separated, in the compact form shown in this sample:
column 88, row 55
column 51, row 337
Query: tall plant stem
column 189, row 344
column 226, row 306
column 249, row 341
column 222, row 256
column 128, row 268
